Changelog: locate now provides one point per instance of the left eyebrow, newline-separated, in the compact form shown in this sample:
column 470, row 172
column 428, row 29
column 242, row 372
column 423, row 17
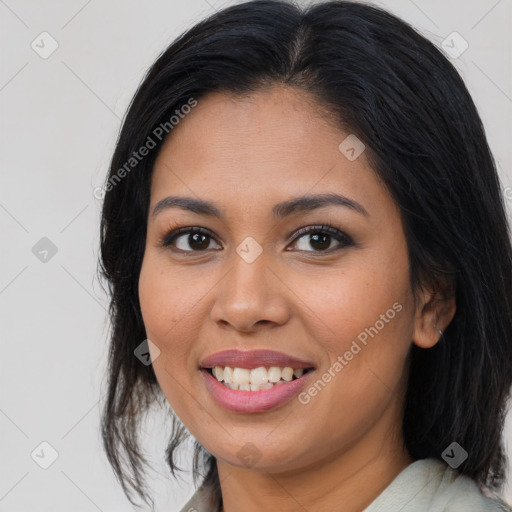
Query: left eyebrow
column 312, row 202
column 280, row 210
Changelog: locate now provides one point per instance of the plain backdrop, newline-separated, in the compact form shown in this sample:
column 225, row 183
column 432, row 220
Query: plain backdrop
column 60, row 116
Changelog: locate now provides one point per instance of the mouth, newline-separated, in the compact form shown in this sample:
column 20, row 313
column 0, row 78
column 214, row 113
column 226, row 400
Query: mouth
column 255, row 379
column 255, row 390
column 250, row 381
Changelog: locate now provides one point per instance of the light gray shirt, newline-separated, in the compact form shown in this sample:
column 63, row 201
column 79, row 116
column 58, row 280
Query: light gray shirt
column 426, row 485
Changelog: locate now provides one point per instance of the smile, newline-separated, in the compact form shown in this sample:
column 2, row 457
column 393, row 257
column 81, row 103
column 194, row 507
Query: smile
column 255, row 379
column 244, row 396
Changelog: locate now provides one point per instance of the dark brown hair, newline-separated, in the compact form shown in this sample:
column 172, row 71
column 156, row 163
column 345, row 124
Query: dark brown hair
column 398, row 93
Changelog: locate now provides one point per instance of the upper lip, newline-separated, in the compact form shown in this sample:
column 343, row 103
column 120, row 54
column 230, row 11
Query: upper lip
column 253, row 359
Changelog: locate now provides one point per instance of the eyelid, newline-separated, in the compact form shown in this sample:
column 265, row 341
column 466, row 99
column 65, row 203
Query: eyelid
column 173, row 233
column 345, row 240
column 323, row 228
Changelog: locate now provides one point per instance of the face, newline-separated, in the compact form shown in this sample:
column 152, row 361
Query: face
column 339, row 299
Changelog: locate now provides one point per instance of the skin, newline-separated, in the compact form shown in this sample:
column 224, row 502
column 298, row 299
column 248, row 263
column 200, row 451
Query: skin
column 247, row 154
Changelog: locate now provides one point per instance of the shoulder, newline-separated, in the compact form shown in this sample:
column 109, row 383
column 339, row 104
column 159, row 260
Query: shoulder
column 428, row 485
column 457, row 492
column 202, row 500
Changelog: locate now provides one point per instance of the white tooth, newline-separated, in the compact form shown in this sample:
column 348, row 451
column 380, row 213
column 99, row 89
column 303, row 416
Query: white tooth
column 259, row 375
column 279, row 383
column 274, row 374
column 241, row 375
column 287, row 373
column 218, row 373
column 228, row 374
column 255, row 379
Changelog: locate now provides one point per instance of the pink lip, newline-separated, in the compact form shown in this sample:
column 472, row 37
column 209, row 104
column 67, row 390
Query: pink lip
column 253, row 359
column 253, row 401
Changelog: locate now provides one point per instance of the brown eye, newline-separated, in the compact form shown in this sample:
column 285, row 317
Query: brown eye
column 320, row 241
column 321, row 238
column 189, row 239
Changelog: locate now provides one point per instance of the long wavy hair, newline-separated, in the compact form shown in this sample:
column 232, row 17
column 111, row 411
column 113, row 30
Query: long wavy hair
column 401, row 96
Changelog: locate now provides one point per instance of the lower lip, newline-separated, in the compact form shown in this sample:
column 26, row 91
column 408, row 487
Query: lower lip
column 253, row 401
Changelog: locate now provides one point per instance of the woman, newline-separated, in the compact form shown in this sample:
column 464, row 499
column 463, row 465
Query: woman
column 304, row 232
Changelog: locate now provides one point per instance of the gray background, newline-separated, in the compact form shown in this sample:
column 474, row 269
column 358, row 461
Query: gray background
column 60, row 117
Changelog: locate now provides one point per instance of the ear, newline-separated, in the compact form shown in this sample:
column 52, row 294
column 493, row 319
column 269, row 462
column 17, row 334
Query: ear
column 434, row 312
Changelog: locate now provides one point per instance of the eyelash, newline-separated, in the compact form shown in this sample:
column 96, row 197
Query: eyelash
column 345, row 241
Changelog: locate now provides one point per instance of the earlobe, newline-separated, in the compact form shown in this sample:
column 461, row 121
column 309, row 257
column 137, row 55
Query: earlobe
column 432, row 318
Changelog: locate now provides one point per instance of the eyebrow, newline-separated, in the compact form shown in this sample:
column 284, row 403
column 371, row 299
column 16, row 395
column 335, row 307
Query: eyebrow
column 280, row 210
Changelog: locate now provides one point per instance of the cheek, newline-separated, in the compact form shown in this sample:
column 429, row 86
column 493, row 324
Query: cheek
column 364, row 321
column 169, row 304
column 357, row 296
column 169, row 297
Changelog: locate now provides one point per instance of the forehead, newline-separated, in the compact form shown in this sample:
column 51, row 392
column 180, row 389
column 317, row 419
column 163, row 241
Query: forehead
column 271, row 144
column 275, row 119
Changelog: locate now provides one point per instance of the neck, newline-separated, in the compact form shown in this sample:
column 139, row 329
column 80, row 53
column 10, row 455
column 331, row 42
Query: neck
column 345, row 476
column 348, row 482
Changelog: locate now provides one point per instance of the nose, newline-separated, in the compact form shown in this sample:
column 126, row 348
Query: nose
column 251, row 296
